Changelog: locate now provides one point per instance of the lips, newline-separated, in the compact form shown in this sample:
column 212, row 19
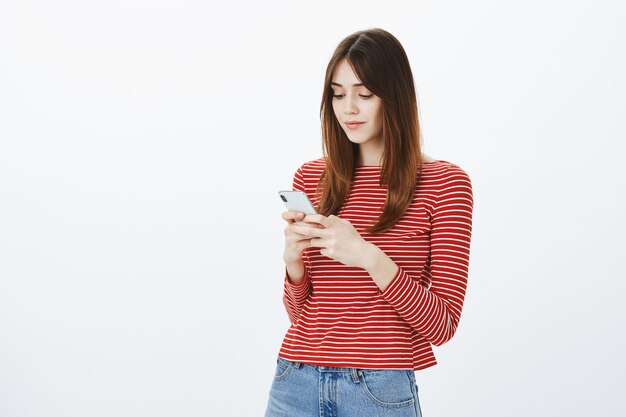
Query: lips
column 353, row 125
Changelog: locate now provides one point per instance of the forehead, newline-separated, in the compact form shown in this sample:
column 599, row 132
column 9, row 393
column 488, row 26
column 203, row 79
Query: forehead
column 344, row 77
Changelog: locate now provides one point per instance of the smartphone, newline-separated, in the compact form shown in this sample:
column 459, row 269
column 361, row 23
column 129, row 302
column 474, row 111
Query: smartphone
column 298, row 201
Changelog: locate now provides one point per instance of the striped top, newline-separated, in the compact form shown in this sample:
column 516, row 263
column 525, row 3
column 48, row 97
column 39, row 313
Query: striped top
column 339, row 316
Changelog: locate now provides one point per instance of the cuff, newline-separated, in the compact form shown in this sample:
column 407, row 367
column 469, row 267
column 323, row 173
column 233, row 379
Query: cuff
column 400, row 289
column 298, row 290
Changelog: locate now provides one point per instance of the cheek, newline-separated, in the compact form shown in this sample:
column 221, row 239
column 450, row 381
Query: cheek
column 376, row 114
column 377, row 121
column 375, row 109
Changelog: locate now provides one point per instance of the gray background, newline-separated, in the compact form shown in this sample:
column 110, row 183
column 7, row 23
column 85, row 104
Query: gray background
column 142, row 144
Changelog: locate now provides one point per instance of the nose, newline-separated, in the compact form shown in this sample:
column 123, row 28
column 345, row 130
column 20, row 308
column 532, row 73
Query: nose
column 349, row 105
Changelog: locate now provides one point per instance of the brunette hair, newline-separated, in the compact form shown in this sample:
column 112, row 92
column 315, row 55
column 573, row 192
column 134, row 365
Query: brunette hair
column 380, row 62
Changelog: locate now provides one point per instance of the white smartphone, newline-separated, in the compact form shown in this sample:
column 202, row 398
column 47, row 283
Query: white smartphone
column 298, row 201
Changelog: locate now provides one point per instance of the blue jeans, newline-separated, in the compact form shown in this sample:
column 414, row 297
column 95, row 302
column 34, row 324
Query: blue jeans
column 304, row 390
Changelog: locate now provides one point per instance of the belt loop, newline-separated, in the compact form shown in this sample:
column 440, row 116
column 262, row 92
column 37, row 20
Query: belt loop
column 296, row 365
column 355, row 375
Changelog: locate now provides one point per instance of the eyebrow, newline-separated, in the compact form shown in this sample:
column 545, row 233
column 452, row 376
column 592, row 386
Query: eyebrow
column 339, row 85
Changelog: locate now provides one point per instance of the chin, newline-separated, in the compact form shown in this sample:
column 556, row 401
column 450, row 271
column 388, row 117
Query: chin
column 357, row 138
column 358, row 142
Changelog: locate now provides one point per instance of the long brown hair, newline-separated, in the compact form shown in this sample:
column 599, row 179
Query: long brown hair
column 380, row 62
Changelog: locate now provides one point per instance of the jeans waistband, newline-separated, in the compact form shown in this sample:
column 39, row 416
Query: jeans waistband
column 354, row 371
column 321, row 368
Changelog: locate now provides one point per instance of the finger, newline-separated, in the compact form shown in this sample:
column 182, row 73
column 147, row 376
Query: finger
column 318, row 218
column 318, row 242
column 292, row 215
column 297, row 240
column 337, row 218
column 307, row 230
column 290, row 227
column 294, row 231
column 311, row 224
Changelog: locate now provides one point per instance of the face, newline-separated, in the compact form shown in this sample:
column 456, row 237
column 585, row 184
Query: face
column 357, row 103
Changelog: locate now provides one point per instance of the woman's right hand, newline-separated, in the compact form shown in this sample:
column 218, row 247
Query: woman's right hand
column 295, row 243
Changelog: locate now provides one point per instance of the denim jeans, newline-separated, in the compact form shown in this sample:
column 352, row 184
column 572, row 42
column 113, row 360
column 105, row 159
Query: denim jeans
column 304, row 390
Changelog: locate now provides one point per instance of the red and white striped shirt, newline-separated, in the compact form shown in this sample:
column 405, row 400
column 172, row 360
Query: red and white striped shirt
column 339, row 316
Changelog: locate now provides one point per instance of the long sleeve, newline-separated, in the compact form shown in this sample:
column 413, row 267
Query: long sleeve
column 435, row 312
column 294, row 296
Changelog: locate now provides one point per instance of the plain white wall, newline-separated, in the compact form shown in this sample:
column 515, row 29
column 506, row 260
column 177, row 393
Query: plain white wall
column 142, row 144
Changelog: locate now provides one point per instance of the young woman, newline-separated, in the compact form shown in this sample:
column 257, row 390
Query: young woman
column 379, row 275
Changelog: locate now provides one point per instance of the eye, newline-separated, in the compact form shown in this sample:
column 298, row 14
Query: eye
column 339, row 96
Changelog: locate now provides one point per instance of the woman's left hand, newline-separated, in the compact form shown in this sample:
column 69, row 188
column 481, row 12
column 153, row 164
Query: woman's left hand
column 338, row 239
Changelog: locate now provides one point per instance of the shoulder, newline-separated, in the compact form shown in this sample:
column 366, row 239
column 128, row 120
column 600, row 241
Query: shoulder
column 454, row 187
column 444, row 180
column 308, row 174
column 458, row 175
column 314, row 167
column 314, row 164
column 445, row 170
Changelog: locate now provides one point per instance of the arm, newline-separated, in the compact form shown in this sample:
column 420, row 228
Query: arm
column 434, row 313
column 295, row 293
